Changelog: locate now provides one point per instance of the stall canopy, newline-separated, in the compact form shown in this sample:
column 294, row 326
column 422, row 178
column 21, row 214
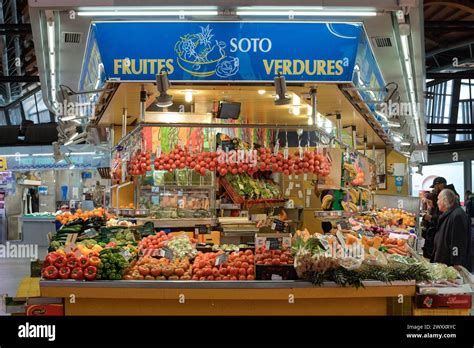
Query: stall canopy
column 237, row 52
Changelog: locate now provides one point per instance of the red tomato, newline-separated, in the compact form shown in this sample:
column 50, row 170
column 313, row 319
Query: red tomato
column 211, row 277
column 276, row 261
column 250, row 277
column 245, row 265
column 243, row 271
column 223, row 271
column 215, row 272
column 248, row 252
column 242, row 277
column 233, row 278
column 238, row 264
column 250, row 270
column 207, row 271
column 202, row 278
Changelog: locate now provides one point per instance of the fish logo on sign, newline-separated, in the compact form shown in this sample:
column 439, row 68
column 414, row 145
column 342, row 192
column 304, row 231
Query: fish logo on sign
column 201, row 55
column 3, row 164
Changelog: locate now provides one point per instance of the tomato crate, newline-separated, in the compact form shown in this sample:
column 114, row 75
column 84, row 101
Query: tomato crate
column 275, row 272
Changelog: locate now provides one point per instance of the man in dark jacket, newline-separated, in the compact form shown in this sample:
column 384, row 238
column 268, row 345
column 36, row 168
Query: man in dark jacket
column 452, row 242
column 430, row 220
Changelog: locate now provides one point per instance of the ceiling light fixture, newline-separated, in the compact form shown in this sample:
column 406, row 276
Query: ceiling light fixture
column 140, row 12
column 280, row 90
column 302, row 11
column 163, row 84
column 261, row 91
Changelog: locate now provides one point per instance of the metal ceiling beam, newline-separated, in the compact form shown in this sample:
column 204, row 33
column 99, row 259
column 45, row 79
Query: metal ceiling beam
column 449, row 26
column 454, row 46
column 449, row 126
column 467, row 74
column 8, row 79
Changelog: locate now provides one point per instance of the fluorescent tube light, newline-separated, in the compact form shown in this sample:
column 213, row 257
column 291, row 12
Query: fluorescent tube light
column 42, row 154
column 145, row 13
column 321, row 13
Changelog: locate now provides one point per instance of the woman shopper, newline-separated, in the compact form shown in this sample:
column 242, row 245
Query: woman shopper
column 452, row 242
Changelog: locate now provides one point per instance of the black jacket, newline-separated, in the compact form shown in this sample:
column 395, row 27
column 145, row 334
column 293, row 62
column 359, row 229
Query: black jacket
column 452, row 242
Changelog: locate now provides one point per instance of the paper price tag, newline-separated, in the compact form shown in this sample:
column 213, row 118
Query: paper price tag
column 278, row 225
column 290, row 185
column 272, row 244
column 340, row 238
column 69, row 247
column 287, row 192
column 158, row 151
column 222, row 259
column 201, row 229
column 276, row 148
column 276, row 277
column 126, row 254
column 167, row 253
column 300, row 149
column 300, row 194
column 285, row 152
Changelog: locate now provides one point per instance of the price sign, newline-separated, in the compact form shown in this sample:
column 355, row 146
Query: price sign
column 272, row 244
column 278, row 225
column 201, row 229
column 285, row 152
column 167, row 253
column 90, row 233
column 222, row 259
column 340, row 238
column 126, row 254
column 344, row 225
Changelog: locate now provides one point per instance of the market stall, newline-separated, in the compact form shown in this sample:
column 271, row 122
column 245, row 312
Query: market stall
column 203, row 186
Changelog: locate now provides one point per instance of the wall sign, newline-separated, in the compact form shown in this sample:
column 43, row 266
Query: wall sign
column 229, row 51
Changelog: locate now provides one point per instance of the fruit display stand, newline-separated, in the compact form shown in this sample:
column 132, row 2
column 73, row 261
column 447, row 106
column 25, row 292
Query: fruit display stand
column 224, row 298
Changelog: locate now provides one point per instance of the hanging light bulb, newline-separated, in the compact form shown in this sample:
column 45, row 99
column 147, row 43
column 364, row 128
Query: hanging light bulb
column 188, row 96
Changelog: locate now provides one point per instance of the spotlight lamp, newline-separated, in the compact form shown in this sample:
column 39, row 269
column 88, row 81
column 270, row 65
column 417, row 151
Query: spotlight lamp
column 280, row 89
column 162, row 85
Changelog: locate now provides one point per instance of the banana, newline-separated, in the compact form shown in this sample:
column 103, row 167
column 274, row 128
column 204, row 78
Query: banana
column 364, row 195
column 345, row 206
column 353, row 207
column 350, row 168
column 327, row 202
column 354, row 195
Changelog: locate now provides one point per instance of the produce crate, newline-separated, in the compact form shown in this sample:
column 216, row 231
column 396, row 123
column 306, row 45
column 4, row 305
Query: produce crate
column 238, row 199
column 444, row 301
column 280, row 272
column 234, row 196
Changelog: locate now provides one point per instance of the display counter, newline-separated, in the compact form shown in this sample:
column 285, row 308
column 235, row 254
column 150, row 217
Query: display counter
column 35, row 230
column 224, row 298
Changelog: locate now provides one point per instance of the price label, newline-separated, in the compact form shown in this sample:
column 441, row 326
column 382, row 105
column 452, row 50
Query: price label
column 90, row 233
column 278, row 225
column 277, row 277
column 340, row 238
column 285, row 152
column 272, row 244
column 201, row 229
column 300, row 149
column 167, row 253
column 222, row 259
column 276, row 149
column 158, row 151
column 126, row 254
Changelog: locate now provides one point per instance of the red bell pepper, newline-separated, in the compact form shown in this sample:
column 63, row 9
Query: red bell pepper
column 111, row 245
column 60, row 261
column 94, row 261
column 51, row 258
column 64, row 272
column 72, row 262
column 90, row 273
column 83, row 261
column 50, row 272
column 77, row 273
